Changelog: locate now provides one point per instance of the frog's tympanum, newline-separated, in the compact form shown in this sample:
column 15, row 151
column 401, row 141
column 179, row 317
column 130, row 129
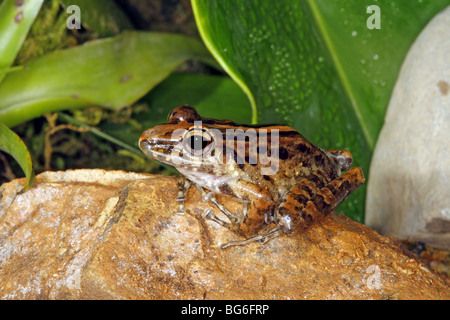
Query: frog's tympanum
column 285, row 182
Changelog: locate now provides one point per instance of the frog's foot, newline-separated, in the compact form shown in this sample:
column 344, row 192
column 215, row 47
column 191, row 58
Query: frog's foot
column 210, row 196
column 343, row 157
column 263, row 238
column 211, row 216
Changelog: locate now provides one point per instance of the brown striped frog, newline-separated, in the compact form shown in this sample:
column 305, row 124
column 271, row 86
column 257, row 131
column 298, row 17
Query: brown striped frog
column 285, row 182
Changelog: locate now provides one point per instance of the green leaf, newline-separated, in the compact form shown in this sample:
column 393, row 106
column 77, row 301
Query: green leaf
column 315, row 65
column 105, row 17
column 15, row 22
column 368, row 61
column 112, row 72
column 12, row 144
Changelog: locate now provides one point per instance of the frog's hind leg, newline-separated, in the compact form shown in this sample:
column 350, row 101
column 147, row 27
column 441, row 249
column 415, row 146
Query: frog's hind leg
column 183, row 185
column 292, row 219
column 331, row 195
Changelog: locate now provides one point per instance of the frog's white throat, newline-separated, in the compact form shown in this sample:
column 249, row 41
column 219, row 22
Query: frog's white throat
column 206, row 180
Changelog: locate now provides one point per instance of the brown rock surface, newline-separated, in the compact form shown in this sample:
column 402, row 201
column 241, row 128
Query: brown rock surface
column 96, row 234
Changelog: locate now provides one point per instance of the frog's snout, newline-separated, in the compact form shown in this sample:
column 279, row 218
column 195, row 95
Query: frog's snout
column 159, row 142
column 155, row 149
column 147, row 147
column 147, row 135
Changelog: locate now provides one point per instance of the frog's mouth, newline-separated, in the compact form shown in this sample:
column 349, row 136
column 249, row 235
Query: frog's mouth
column 157, row 148
column 168, row 151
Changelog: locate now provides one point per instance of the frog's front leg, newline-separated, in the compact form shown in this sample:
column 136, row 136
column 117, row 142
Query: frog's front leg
column 183, row 185
column 260, row 206
column 298, row 212
column 211, row 197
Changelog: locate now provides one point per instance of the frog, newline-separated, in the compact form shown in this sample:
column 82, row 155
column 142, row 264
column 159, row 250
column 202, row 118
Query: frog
column 285, row 182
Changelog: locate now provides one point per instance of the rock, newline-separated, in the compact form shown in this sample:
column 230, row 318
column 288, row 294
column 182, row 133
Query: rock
column 94, row 234
column 409, row 181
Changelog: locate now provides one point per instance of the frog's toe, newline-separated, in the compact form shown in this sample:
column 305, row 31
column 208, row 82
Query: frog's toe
column 262, row 238
column 211, row 216
column 343, row 157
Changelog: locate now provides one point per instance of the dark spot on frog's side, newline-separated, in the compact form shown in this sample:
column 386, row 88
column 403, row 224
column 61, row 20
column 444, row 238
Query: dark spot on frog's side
column 315, row 180
column 320, row 202
column 226, row 190
column 283, row 153
column 300, row 198
column 302, row 147
column 308, row 190
column 319, row 159
column 340, row 189
column 307, row 217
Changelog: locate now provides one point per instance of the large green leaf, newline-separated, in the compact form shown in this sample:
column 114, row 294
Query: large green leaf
column 16, row 18
column 315, row 64
column 12, row 144
column 112, row 72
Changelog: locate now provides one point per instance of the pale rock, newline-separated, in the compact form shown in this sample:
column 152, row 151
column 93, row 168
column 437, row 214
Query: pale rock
column 409, row 181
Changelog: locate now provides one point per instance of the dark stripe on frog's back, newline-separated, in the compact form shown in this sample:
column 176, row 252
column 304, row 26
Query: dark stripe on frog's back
column 239, row 134
column 225, row 124
column 292, row 143
column 294, row 148
column 283, row 132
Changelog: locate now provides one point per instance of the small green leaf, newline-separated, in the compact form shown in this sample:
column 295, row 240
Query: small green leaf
column 16, row 18
column 112, row 72
column 12, row 144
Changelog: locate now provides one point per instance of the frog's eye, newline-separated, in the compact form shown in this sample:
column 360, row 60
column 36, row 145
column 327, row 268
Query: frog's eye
column 198, row 141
